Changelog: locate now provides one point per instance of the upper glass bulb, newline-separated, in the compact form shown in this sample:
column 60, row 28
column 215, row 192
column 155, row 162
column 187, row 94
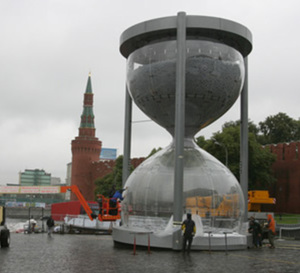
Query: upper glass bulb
column 214, row 79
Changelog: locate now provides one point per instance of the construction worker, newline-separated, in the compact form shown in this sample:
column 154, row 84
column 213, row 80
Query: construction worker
column 114, row 201
column 271, row 230
column 255, row 229
column 189, row 229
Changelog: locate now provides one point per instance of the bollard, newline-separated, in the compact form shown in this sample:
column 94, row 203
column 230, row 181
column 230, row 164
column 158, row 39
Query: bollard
column 134, row 245
column 209, row 244
column 225, row 241
column 134, row 240
column 149, row 252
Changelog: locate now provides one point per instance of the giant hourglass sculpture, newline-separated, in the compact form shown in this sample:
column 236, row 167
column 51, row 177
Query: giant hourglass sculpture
column 214, row 75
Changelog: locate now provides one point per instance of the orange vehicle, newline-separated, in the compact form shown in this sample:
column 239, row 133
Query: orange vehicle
column 225, row 206
column 258, row 198
column 108, row 211
column 216, row 205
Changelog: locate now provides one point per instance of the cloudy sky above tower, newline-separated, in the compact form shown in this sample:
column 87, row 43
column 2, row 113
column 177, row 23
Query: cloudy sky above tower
column 48, row 48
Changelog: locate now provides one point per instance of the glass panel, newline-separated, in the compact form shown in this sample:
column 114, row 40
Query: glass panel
column 210, row 190
column 214, row 78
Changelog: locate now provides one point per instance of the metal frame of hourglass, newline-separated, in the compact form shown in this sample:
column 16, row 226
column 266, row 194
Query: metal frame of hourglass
column 184, row 72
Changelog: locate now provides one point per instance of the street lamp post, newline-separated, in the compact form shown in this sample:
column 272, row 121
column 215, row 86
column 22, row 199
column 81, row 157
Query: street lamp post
column 226, row 151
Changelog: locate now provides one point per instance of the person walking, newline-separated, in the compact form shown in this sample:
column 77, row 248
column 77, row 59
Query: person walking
column 189, row 229
column 271, row 230
column 50, row 225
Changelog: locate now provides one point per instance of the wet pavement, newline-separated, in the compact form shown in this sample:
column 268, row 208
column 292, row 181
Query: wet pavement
column 97, row 253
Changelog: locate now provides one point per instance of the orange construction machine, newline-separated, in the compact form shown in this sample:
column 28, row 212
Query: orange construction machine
column 109, row 210
column 258, row 198
column 226, row 205
column 216, row 205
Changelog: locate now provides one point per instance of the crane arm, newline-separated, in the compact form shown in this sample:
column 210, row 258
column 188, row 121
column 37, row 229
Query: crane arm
column 83, row 202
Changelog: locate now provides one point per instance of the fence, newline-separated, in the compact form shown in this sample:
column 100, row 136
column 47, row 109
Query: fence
column 289, row 232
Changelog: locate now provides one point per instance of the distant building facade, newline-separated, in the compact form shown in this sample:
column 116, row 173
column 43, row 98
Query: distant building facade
column 34, row 177
column 286, row 170
column 55, row 181
column 108, row 154
column 69, row 174
column 35, row 187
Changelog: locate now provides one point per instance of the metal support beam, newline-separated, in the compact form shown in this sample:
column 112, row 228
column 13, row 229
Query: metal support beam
column 127, row 138
column 244, row 150
column 179, row 129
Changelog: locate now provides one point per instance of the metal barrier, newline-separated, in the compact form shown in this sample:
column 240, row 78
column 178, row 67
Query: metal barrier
column 209, row 240
column 287, row 228
column 209, row 243
column 225, row 233
column 141, row 233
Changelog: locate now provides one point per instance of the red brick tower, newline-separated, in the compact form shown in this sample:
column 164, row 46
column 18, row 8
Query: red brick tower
column 86, row 148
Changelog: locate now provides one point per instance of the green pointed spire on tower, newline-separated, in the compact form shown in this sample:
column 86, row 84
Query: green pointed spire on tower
column 89, row 85
column 87, row 117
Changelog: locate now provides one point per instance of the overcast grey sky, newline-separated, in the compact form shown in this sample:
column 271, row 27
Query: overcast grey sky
column 48, row 47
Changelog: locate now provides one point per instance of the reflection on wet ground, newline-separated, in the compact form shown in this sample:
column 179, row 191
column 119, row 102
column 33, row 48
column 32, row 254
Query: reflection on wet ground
column 97, row 253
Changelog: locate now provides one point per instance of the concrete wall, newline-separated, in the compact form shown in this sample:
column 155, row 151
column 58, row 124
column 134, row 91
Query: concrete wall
column 23, row 213
column 286, row 169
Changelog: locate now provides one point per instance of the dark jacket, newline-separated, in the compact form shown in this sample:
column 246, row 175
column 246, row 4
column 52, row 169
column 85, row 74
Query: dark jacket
column 50, row 222
column 189, row 227
column 254, row 227
column 117, row 195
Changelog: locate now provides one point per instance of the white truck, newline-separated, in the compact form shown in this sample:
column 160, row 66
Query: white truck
column 4, row 231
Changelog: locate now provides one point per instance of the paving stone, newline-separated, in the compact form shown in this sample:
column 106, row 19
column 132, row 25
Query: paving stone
column 97, row 253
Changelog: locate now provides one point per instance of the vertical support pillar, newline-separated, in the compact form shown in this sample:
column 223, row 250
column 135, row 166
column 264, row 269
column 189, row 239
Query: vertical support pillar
column 244, row 150
column 127, row 137
column 179, row 130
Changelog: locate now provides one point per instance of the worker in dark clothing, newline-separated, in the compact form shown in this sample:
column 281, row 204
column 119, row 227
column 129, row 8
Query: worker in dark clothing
column 118, row 195
column 50, row 225
column 112, row 191
column 255, row 229
column 113, row 202
column 189, row 229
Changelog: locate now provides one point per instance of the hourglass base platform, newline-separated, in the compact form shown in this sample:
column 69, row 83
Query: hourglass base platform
column 206, row 238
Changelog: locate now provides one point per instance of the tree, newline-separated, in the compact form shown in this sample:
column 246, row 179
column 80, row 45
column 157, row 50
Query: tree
column 154, row 151
column 227, row 144
column 104, row 184
column 261, row 160
column 279, row 128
